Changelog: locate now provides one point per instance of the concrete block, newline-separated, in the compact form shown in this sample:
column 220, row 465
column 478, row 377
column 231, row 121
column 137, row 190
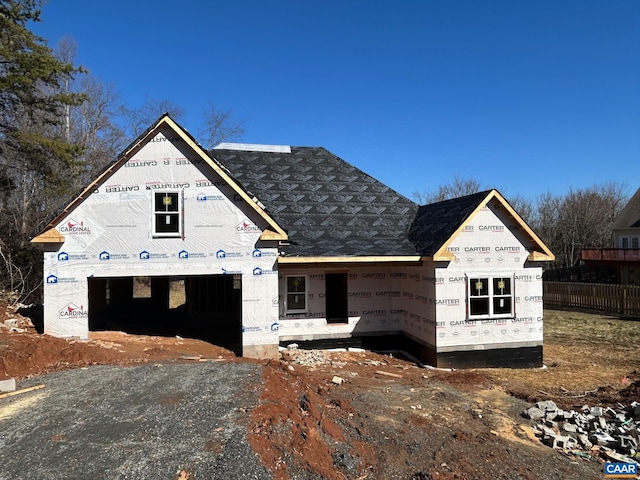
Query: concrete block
column 564, row 442
column 549, row 440
column 8, row 385
column 534, row 413
column 547, row 406
column 627, row 444
column 603, row 439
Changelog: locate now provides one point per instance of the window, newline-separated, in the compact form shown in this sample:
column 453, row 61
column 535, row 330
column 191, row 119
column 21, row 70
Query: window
column 296, row 294
column 629, row 241
column 490, row 297
column 167, row 221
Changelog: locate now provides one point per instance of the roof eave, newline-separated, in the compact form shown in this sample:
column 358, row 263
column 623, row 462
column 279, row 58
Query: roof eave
column 350, row 259
column 51, row 235
column 274, row 232
column 540, row 257
column 540, row 251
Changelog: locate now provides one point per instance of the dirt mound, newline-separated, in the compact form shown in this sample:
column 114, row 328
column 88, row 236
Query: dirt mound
column 357, row 415
column 25, row 353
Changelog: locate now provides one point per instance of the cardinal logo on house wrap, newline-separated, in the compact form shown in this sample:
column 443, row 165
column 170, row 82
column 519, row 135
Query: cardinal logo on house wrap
column 73, row 227
column 73, row 311
column 247, row 227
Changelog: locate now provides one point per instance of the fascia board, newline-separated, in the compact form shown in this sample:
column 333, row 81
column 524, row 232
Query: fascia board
column 541, row 252
column 363, row 259
column 52, row 235
column 277, row 232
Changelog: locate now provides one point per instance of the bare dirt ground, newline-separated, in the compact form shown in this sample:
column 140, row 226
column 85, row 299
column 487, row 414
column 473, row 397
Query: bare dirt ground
column 385, row 417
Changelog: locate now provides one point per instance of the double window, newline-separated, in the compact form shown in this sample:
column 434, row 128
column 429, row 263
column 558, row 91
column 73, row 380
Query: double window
column 296, row 294
column 167, row 214
column 629, row 241
column 490, row 297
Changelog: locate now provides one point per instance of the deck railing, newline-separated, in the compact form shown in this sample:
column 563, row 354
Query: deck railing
column 610, row 254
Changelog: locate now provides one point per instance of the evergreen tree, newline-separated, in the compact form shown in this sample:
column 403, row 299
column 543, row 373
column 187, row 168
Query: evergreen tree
column 36, row 161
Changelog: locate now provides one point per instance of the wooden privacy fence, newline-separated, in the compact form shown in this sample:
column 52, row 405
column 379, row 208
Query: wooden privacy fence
column 602, row 297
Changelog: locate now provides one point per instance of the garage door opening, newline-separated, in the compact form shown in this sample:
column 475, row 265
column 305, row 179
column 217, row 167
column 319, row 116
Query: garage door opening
column 207, row 307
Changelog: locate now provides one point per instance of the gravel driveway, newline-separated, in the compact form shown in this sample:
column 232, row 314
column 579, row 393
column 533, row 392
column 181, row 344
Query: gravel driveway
column 144, row 422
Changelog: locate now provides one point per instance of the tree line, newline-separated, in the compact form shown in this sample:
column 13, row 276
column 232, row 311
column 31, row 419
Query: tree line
column 60, row 126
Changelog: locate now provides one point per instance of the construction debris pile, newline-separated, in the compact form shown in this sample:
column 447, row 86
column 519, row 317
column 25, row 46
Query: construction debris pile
column 16, row 325
column 591, row 432
column 306, row 358
column 294, row 355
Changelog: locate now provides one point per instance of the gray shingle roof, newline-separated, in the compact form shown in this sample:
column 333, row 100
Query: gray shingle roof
column 435, row 223
column 328, row 206
column 629, row 216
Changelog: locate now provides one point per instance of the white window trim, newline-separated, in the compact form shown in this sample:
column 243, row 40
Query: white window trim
column 180, row 214
column 491, row 295
column 632, row 241
column 305, row 293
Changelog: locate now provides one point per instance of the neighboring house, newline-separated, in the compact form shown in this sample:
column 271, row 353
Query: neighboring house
column 281, row 244
column 624, row 256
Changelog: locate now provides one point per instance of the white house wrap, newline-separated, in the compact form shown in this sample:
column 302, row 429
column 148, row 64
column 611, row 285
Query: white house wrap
column 277, row 244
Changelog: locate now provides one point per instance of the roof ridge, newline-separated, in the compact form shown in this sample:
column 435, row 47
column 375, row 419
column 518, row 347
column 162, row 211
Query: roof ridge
column 253, row 147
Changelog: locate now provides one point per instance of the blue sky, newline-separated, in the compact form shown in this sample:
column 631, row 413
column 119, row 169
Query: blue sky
column 525, row 96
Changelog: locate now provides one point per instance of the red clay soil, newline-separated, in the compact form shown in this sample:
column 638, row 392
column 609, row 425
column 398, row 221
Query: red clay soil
column 386, row 419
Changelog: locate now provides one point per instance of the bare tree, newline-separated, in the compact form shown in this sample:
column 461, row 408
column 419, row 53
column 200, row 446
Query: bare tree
column 91, row 124
column 218, row 126
column 523, row 207
column 580, row 219
column 137, row 120
column 459, row 187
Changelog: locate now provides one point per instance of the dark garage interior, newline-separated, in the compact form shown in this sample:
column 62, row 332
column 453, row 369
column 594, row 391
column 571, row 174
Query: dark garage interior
column 207, row 307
